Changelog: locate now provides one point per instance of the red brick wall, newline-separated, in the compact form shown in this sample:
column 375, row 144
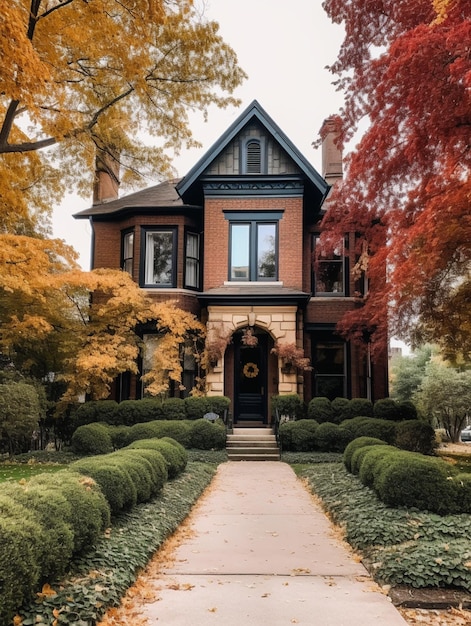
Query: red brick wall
column 216, row 237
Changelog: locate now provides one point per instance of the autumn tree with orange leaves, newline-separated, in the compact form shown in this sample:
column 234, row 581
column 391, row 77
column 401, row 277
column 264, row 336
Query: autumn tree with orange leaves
column 405, row 68
column 80, row 80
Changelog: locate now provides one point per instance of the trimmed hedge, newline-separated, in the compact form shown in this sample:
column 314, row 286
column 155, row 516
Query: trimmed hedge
column 298, row 436
column 44, row 522
column 320, row 409
column 174, row 454
column 176, row 429
column 408, row 479
column 207, row 436
column 91, row 439
column 21, row 549
column 356, row 444
column 387, row 409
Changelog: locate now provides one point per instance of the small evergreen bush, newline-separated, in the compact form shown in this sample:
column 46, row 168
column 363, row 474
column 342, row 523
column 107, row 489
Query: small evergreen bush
column 175, row 456
column 370, row 427
column 158, row 467
column 52, row 511
column 356, row 444
column 408, row 410
column 368, row 461
column 412, row 480
column 340, row 409
column 328, row 438
column 207, row 436
column 147, row 430
column 219, row 404
column 21, row 551
column 196, row 407
column 126, row 413
column 303, row 435
column 415, row 436
column 173, row 409
column 320, row 409
column 119, row 436
column 387, row 409
column 115, row 483
column 94, row 411
column 360, row 407
column 88, row 513
column 289, row 405
column 285, row 435
column 91, row 439
column 462, row 491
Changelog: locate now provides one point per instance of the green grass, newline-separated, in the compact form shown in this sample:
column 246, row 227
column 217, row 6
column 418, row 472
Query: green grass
column 20, row 471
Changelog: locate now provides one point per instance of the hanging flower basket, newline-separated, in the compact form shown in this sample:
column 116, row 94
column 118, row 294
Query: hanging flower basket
column 292, row 357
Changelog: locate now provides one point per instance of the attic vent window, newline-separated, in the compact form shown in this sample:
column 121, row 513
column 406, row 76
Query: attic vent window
column 253, row 157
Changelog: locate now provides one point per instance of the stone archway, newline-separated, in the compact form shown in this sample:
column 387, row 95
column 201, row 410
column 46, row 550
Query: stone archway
column 280, row 322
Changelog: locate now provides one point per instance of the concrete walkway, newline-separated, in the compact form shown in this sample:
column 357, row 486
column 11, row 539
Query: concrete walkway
column 261, row 552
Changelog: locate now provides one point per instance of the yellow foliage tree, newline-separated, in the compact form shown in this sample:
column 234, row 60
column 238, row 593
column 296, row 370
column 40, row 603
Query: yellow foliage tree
column 80, row 76
column 82, row 325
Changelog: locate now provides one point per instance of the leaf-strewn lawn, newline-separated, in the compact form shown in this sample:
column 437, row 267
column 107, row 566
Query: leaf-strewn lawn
column 15, row 471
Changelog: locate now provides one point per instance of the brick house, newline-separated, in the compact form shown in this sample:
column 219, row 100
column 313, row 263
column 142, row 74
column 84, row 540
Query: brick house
column 233, row 242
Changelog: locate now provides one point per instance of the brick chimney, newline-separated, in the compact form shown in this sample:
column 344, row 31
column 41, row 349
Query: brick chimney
column 331, row 153
column 106, row 185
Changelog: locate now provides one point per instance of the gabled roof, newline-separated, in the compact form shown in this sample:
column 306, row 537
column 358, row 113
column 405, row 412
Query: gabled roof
column 163, row 196
column 254, row 111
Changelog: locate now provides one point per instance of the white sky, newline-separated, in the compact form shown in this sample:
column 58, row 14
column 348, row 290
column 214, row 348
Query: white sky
column 284, row 48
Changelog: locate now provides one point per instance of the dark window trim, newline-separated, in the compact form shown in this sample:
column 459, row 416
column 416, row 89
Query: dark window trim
column 142, row 273
column 325, row 333
column 345, row 274
column 189, row 231
column 253, row 248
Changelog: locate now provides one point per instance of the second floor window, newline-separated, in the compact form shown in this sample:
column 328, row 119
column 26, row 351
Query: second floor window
column 329, row 269
column 160, row 258
column 253, row 251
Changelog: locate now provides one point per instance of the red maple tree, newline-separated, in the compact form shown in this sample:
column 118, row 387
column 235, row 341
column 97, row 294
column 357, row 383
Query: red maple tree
column 405, row 67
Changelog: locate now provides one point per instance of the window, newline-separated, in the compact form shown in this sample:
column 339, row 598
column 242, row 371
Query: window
column 128, row 252
column 329, row 361
column 329, row 270
column 192, row 261
column 253, row 251
column 160, row 257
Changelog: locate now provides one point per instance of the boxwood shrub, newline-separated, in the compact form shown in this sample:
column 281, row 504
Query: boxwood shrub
column 356, row 444
column 175, row 456
column 88, row 512
column 173, row 409
column 298, row 436
column 359, row 407
column 416, row 436
column 52, row 512
column 176, row 429
column 369, row 460
column 289, row 405
column 370, row 427
column 340, row 408
column 328, row 438
column 410, row 479
column 115, row 483
column 91, row 439
column 320, row 409
column 387, row 409
column 21, row 550
column 206, row 435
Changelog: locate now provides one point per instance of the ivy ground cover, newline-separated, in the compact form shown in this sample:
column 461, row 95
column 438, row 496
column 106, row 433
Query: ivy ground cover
column 398, row 546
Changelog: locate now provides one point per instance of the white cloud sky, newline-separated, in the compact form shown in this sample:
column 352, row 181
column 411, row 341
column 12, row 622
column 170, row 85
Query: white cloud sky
column 284, row 47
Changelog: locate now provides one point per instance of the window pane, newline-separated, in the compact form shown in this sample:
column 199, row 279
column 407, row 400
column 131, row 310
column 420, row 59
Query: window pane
column 159, row 257
column 330, row 358
column 266, row 250
column 240, row 251
column 329, row 269
column 192, row 260
column 128, row 252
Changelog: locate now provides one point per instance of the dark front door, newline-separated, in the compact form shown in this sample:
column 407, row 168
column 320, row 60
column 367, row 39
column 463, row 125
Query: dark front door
column 250, row 373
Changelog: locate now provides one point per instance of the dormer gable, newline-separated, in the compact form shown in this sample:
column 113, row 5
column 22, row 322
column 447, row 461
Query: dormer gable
column 253, row 146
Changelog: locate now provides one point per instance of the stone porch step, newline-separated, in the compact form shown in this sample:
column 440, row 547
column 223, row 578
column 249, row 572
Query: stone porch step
column 254, row 444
